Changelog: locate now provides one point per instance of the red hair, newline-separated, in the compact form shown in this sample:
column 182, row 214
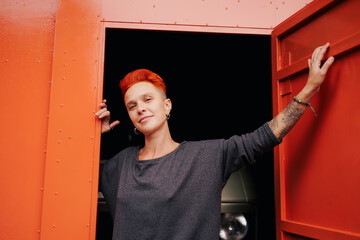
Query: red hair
column 141, row 75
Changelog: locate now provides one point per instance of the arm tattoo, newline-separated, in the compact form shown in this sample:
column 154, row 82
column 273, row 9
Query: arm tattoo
column 287, row 119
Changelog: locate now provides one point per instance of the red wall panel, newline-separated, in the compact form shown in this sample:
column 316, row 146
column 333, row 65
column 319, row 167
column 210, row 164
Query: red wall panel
column 26, row 43
column 318, row 163
column 73, row 143
column 240, row 16
column 323, row 160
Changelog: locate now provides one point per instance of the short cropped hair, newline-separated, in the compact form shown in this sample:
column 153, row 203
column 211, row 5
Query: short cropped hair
column 141, row 75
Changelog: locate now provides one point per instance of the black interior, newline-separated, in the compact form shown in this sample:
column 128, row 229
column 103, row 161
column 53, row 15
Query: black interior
column 219, row 84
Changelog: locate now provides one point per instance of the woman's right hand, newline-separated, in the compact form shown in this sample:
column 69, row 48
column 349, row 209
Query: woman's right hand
column 104, row 115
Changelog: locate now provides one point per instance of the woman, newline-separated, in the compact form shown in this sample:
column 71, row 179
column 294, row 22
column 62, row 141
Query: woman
column 169, row 190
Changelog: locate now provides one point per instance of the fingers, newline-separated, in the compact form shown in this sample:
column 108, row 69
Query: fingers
column 103, row 113
column 321, row 52
column 103, row 104
column 114, row 124
column 318, row 55
column 327, row 64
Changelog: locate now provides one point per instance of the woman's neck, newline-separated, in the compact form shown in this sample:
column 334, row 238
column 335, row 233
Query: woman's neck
column 157, row 145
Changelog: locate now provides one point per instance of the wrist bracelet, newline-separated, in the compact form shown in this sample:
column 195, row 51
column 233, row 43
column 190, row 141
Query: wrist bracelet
column 305, row 103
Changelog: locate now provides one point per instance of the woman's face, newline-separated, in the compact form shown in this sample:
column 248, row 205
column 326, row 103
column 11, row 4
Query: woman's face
column 147, row 107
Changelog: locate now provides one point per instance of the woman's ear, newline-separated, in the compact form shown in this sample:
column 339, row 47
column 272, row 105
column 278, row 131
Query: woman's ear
column 168, row 106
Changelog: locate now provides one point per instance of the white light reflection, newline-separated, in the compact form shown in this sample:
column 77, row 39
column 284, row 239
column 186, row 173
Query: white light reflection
column 233, row 227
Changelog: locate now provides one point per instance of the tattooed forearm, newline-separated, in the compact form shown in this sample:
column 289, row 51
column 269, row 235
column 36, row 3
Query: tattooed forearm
column 286, row 120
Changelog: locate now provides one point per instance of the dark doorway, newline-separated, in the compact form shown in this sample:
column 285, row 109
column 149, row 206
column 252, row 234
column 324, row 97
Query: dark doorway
column 219, row 84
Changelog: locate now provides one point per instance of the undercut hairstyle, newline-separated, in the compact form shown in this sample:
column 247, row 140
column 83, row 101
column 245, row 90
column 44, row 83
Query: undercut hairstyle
column 141, row 75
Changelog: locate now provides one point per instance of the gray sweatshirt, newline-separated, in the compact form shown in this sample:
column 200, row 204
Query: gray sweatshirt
column 177, row 196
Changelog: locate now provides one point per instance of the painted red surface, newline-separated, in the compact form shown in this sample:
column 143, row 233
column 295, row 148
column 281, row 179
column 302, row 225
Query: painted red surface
column 318, row 163
column 26, row 43
column 52, row 65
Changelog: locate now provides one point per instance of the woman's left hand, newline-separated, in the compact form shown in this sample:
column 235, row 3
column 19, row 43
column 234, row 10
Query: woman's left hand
column 317, row 72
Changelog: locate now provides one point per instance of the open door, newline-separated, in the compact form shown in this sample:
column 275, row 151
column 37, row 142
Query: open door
column 317, row 166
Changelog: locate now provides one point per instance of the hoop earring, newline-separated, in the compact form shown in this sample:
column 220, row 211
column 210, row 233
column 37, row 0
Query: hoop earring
column 168, row 116
column 137, row 132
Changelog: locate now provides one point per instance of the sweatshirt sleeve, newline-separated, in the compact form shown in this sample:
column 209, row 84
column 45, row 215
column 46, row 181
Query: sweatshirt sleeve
column 245, row 149
column 108, row 182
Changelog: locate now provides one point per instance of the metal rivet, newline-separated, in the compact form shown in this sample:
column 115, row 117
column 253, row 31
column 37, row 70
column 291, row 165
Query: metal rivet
column 38, row 61
column 70, row 137
column 56, row 193
column 45, row 151
column 64, row 65
column 60, row 130
column 65, row 52
column 92, row 137
column 57, row 160
column 61, row 105
column 59, row 141
column 87, row 225
column 42, row 189
column 90, row 180
column 53, row 226
column 63, row 78
column 47, row 115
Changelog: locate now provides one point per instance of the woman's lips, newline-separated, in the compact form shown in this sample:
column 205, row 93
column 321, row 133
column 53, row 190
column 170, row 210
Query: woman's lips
column 144, row 119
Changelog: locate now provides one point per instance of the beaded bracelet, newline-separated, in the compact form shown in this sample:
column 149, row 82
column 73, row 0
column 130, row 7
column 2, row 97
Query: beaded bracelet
column 305, row 103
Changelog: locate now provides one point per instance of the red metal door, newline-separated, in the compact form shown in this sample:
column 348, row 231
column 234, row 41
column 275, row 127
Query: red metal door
column 72, row 156
column 317, row 166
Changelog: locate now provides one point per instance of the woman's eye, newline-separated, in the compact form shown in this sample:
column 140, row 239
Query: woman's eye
column 147, row 99
column 131, row 107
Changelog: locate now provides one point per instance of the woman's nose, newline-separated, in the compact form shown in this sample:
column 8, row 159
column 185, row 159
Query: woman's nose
column 140, row 108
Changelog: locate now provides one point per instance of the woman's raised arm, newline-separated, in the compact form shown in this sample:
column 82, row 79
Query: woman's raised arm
column 287, row 118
